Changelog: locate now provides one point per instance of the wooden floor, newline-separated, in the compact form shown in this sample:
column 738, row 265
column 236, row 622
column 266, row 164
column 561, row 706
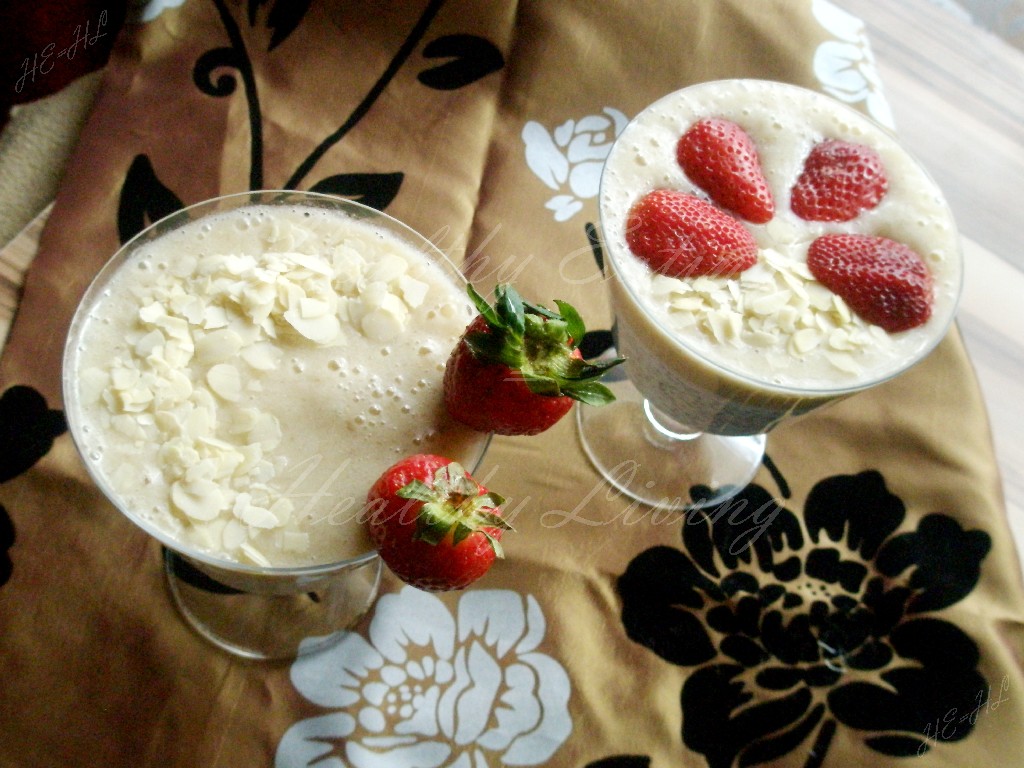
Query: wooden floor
column 957, row 93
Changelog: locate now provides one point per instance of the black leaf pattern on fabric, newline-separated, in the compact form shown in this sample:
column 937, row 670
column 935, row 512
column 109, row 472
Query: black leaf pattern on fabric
column 283, row 18
column 595, row 245
column 188, row 573
column 621, row 761
column 797, row 628
column 6, row 542
column 28, row 428
column 376, row 190
column 471, row 58
column 207, row 64
column 595, row 343
column 947, row 559
column 144, row 199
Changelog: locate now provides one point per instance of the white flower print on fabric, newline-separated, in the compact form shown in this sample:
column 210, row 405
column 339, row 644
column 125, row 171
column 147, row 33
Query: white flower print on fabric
column 846, row 67
column 147, row 10
column 430, row 689
column 570, row 158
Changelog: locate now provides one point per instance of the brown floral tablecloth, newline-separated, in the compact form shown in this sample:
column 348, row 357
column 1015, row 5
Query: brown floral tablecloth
column 876, row 618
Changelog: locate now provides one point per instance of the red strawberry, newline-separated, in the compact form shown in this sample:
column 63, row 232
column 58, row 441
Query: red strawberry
column 517, row 369
column 680, row 235
column 884, row 282
column 840, row 179
column 720, row 158
column 434, row 526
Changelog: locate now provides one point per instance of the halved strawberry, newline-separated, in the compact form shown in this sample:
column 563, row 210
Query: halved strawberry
column 721, row 159
column 434, row 526
column 680, row 235
column 517, row 368
column 839, row 181
column 885, row 282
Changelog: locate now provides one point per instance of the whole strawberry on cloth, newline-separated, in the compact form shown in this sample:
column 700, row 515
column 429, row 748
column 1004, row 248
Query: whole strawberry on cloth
column 434, row 526
column 518, row 369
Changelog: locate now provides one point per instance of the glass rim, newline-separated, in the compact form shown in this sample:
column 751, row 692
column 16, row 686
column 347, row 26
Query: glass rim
column 123, row 254
column 614, row 258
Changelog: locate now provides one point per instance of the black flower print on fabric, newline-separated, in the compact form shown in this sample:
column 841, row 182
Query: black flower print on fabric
column 450, row 62
column 28, row 427
column 797, row 628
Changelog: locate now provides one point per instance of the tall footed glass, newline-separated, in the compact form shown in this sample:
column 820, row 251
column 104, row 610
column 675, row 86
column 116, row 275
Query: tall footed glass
column 235, row 379
column 715, row 362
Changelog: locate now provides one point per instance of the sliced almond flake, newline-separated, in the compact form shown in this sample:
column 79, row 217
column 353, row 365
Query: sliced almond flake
column 128, row 426
column 254, row 554
column 313, row 263
column 705, row 285
column 251, row 456
column 843, row 362
column 374, row 294
column 839, row 340
column 687, row 304
column 199, row 423
column 151, row 313
column 322, row 330
column 761, row 338
column 200, row 499
column 225, row 381
column 167, row 422
column 282, row 509
column 662, row 285
column 770, row 303
column 385, row 321
column 178, row 352
column 388, row 268
column 204, row 469
column 258, row 517
column 217, row 346
column 413, row 291
column 803, row 341
column 262, row 356
column 234, row 535
column 149, row 342
column 124, row 378
column 842, row 309
column 214, row 317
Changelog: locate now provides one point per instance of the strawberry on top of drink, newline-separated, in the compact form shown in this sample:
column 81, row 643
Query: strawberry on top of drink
column 678, row 234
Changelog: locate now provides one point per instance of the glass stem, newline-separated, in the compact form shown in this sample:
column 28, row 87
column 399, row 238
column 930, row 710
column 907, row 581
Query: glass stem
column 661, row 429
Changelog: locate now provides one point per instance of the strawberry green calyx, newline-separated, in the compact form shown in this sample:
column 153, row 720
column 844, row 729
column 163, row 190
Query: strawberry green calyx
column 453, row 502
column 542, row 345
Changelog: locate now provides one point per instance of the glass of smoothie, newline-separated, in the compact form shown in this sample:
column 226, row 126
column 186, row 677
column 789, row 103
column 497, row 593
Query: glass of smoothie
column 235, row 379
column 715, row 361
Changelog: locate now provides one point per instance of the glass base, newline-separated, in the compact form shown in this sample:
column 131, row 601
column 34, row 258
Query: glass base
column 270, row 626
column 651, row 459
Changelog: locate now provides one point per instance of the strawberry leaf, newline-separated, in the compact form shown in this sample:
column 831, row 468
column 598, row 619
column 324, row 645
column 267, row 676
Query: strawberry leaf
column 483, row 307
column 510, row 308
column 418, row 491
column 590, row 393
column 573, row 321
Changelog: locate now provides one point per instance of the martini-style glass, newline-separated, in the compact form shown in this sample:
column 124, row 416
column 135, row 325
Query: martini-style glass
column 254, row 602
column 713, row 364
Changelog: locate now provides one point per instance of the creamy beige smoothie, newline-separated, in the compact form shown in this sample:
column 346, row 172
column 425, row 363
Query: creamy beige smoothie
column 240, row 382
column 735, row 355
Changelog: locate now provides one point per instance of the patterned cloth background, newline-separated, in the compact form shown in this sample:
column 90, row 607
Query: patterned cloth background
column 858, row 603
